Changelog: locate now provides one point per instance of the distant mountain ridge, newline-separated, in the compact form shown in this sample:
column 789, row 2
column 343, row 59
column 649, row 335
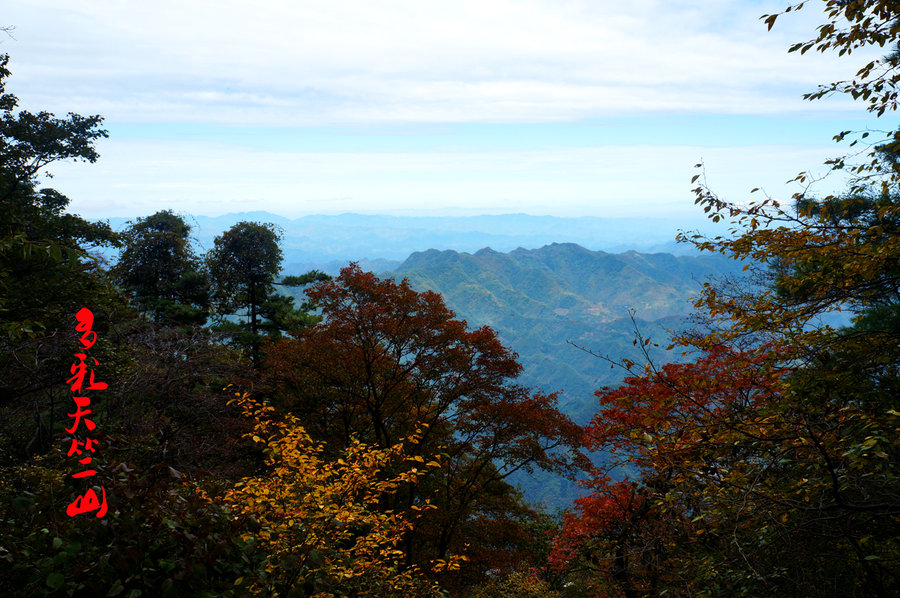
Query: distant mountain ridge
column 542, row 300
column 563, row 280
column 325, row 242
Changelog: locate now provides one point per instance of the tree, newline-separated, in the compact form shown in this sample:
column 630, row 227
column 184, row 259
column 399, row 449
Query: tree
column 386, row 361
column 243, row 265
column 41, row 247
column 700, row 439
column 158, row 266
column 319, row 521
column 614, row 539
column 773, row 457
column 761, row 474
column 157, row 537
column 850, row 26
column 46, row 275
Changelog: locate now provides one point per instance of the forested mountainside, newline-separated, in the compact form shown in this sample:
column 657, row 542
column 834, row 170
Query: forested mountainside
column 542, row 301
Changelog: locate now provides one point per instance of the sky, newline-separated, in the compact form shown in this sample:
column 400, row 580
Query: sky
column 418, row 107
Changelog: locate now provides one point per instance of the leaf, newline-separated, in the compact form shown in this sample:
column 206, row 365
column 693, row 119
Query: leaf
column 55, row 580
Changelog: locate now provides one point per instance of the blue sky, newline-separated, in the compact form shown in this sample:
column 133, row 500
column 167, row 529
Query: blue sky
column 563, row 107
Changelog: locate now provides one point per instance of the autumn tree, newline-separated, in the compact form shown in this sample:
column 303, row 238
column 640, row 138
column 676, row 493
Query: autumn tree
column 758, row 473
column 774, row 455
column 850, row 26
column 614, row 539
column 697, row 437
column 387, row 360
column 319, row 521
column 158, row 265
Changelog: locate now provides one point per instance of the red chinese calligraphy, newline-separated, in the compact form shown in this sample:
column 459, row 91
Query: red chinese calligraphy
column 88, row 445
column 83, row 379
column 85, row 319
column 80, row 369
column 88, row 502
column 79, row 413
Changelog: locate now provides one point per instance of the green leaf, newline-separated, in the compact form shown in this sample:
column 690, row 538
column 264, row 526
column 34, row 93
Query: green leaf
column 55, row 580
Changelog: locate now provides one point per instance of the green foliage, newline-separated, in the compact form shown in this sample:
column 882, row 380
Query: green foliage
column 158, row 539
column 42, row 270
column 46, row 275
column 243, row 266
column 310, row 277
column 159, row 267
column 771, row 464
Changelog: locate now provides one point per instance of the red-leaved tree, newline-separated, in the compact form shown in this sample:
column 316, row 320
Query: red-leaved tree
column 387, row 360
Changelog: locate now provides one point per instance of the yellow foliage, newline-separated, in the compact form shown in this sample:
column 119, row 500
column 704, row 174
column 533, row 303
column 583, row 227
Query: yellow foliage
column 319, row 521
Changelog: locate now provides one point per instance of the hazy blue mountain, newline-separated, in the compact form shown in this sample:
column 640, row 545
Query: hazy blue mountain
column 544, row 301
column 316, row 241
column 334, row 267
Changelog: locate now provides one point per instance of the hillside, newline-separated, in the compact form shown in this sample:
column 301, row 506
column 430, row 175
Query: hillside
column 542, row 300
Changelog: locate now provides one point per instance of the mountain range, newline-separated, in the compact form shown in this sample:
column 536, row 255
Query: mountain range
column 544, row 301
column 327, row 242
column 559, row 307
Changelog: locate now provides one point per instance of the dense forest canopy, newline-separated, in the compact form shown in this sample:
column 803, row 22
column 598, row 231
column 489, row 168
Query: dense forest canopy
column 769, row 466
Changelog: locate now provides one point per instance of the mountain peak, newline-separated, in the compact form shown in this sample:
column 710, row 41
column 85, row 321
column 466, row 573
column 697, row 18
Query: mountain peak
column 486, row 252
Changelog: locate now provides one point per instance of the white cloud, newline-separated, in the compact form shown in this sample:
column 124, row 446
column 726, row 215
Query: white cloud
column 302, row 63
column 296, row 63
